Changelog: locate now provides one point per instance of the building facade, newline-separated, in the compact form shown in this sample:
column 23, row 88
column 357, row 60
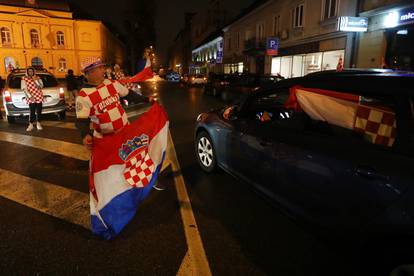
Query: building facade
column 389, row 41
column 45, row 34
column 208, row 56
column 307, row 32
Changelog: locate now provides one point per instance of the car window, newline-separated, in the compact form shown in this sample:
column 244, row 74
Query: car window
column 48, row 81
column 369, row 121
column 266, row 107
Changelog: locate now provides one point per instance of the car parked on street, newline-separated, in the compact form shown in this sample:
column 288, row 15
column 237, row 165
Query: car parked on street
column 335, row 148
column 14, row 99
column 241, row 85
column 173, row 76
column 216, row 83
column 196, row 80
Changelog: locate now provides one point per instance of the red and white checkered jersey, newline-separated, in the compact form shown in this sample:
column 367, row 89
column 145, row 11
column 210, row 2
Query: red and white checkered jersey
column 119, row 75
column 33, row 88
column 101, row 104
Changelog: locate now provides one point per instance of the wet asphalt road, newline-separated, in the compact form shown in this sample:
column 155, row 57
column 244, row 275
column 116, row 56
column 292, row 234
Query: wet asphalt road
column 242, row 233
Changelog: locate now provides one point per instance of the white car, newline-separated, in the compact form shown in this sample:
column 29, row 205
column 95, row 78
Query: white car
column 197, row 79
column 14, row 99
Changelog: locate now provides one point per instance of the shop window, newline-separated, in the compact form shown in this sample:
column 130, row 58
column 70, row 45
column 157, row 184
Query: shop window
column 34, row 38
column 62, row 65
column 5, row 36
column 9, row 64
column 286, row 67
column 297, row 66
column 331, row 59
column 297, row 16
column 276, row 25
column 60, row 37
column 37, row 62
column 312, row 63
column 276, row 62
column 330, row 8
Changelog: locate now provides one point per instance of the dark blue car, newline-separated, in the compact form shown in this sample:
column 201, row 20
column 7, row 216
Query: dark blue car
column 336, row 148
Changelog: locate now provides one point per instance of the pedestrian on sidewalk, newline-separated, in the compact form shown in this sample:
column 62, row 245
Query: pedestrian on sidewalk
column 72, row 86
column 32, row 86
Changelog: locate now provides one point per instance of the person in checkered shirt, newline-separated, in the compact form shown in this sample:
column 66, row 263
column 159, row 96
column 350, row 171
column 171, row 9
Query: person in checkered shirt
column 32, row 86
column 98, row 104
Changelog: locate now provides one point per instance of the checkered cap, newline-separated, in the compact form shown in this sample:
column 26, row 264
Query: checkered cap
column 89, row 63
column 139, row 169
column 378, row 125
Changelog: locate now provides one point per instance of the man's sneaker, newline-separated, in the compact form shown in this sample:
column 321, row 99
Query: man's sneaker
column 158, row 186
column 30, row 127
column 39, row 126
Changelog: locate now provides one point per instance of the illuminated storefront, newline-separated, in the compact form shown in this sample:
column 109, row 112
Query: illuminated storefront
column 389, row 42
column 302, row 64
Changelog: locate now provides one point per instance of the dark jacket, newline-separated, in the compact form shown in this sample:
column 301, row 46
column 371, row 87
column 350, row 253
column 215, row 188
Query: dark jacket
column 72, row 82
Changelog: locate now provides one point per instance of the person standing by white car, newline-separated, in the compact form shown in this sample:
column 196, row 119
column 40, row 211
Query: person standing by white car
column 32, row 86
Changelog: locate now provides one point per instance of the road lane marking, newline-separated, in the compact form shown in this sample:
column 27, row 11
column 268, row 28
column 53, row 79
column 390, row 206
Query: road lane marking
column 196, row 255
column 55, row 146
column 63, row 203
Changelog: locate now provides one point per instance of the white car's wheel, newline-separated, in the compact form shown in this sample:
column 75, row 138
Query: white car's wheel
column 205, row 153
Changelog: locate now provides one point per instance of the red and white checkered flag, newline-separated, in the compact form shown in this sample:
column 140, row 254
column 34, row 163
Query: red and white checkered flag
column 139, row 169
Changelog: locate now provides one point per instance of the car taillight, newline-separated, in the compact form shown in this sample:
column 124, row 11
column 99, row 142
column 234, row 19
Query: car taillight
column 7, row 96
column 61, row 93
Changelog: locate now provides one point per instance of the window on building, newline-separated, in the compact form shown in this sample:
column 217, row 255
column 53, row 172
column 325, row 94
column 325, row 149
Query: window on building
column 276, row 25
column 260, row 30
column 229, row 43
column 34, row 38
column 330, row 8
column 297, row 16
column 238, row 40
column 5, row 36
column 60, row 37
column 37, row 62
column 62, row 65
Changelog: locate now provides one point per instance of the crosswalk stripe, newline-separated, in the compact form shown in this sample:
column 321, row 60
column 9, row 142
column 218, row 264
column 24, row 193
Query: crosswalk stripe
column 69, row 205
column 66, row 125
column 55, row 146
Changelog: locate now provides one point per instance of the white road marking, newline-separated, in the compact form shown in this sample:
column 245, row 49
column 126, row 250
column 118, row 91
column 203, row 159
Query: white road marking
column 196, row 255
column 67, row 125
column 60, row 147
column 57, row 201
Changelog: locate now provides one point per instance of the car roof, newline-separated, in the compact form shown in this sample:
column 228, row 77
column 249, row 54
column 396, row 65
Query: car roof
column 365, row 82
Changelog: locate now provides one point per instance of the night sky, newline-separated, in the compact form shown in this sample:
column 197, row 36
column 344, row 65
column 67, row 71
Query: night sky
column 169, row 15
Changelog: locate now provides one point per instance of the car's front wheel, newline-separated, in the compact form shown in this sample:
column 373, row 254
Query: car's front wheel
column 205, row 153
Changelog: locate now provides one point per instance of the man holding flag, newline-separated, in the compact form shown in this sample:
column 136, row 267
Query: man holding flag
column 125, row 158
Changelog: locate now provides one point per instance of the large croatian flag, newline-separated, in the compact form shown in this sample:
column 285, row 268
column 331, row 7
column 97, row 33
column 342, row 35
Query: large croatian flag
column 144, row 71
column 124, row 167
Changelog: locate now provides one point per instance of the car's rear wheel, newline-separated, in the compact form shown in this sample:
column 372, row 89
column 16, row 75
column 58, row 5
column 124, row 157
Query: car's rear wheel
column 205, row 153
column 62, row 115
column 11, row 119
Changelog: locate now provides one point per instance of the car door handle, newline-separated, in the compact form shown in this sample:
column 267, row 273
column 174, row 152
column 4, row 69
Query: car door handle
column 370, row 173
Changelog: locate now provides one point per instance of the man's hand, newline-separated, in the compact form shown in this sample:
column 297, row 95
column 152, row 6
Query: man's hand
column 88, row 141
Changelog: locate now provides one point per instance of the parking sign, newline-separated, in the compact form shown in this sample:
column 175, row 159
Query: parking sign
column 272, row 46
